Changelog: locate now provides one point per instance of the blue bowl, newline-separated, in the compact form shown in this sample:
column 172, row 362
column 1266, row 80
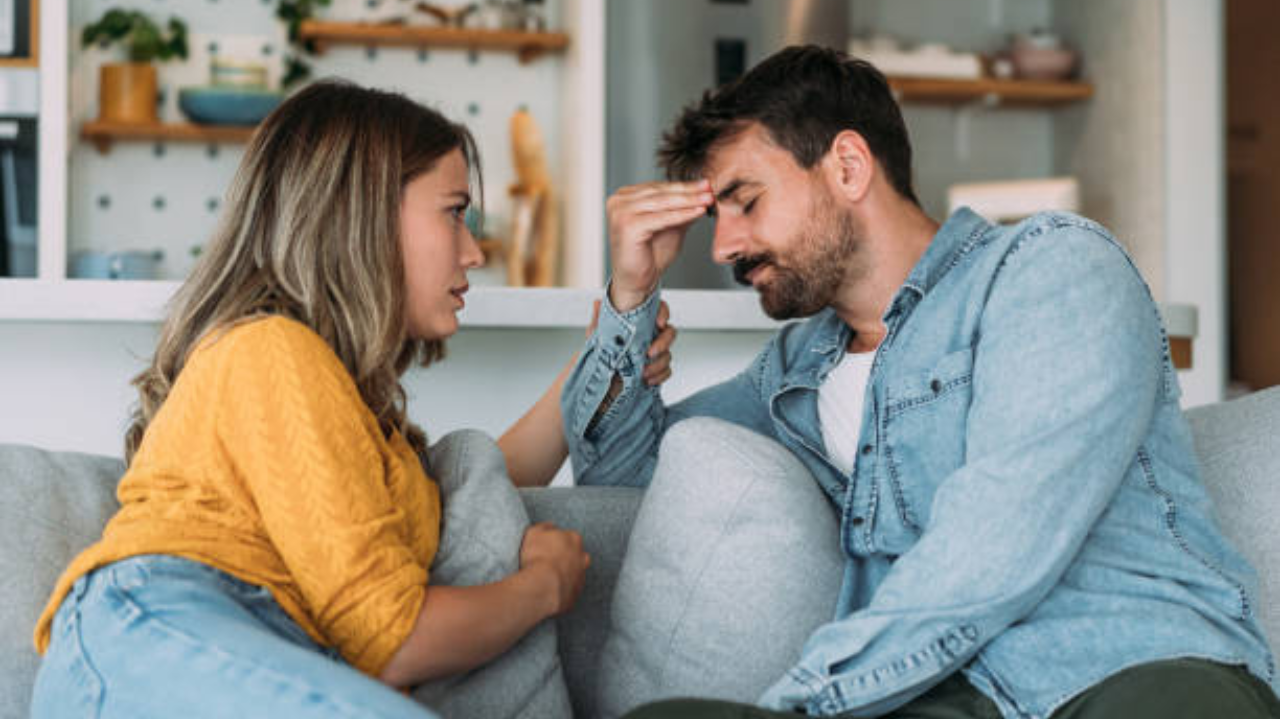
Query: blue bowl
column 227, row 105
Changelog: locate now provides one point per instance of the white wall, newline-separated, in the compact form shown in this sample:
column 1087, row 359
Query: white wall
column 1115, row 142
column 1195, row 252
column 973, row 143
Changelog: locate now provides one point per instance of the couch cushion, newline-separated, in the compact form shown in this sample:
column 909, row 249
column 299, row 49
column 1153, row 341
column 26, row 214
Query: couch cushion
column 55, row 504
column 716, row 598
column 1240, row 458
column 603, row 516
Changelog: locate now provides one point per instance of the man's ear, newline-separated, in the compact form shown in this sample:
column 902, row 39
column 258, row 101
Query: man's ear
column 849, row 165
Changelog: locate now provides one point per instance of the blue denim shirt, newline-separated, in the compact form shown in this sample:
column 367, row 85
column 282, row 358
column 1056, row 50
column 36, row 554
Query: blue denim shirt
column 1025, row 506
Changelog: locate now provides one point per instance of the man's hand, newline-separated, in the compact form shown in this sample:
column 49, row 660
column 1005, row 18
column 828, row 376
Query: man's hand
column 646, row 228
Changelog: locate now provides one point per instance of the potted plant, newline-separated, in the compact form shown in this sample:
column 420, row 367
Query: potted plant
column 293, row 13
column 127, row 91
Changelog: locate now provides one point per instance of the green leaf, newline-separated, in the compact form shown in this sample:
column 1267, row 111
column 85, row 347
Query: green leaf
column 138, row 34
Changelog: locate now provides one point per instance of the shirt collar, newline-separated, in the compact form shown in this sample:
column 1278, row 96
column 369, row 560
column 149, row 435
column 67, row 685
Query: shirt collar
column 957, row 236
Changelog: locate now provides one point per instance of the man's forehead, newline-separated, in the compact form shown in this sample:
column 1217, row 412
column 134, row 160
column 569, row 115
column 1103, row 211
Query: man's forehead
column 749, row 156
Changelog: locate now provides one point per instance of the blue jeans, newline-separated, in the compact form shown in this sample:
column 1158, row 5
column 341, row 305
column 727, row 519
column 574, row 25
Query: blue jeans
column 162, row 636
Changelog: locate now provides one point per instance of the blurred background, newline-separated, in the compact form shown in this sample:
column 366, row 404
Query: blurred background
column 1152, row 116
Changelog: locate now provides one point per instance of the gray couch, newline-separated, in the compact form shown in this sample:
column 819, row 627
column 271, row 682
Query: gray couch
column 55, row 503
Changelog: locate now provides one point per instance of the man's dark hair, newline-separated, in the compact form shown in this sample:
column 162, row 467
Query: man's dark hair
column 804, row 96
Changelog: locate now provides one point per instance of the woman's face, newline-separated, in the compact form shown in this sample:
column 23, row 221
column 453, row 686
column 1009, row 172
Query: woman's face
column 438, row 248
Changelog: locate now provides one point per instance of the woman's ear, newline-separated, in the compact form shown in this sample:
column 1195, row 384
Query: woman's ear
column 849, row 165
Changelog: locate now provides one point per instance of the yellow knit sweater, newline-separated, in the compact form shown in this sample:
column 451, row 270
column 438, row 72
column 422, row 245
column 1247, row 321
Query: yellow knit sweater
column 265, row 463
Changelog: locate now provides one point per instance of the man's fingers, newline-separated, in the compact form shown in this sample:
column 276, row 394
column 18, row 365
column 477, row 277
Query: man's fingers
column 649, row 224
column 662, row 202
column 650, row 188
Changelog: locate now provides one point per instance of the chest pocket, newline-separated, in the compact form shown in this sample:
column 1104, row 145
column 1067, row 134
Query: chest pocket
column 925, row 417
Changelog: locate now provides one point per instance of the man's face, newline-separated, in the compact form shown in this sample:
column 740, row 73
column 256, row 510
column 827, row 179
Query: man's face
column 780, row 227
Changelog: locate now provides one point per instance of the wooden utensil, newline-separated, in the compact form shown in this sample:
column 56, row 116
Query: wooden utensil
column 533, row 188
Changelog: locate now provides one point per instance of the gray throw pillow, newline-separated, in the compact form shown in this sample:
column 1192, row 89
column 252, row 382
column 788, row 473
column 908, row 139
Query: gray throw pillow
column 55, row 504
column 483, row 528
column 734, row 560
column 1240, row 462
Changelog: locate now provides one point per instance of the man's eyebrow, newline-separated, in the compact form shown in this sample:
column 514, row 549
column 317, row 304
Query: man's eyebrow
column 730, row 189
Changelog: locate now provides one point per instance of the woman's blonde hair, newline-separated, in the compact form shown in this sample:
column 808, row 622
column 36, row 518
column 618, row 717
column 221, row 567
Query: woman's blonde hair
column 311, row 232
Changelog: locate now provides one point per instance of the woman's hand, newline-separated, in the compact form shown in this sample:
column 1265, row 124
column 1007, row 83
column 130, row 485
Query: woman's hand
column 461, row 628
column 657, row 368
column 559, row 552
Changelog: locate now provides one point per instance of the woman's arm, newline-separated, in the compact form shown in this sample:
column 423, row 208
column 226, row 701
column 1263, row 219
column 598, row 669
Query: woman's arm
column 461, row 628
column 535, row 446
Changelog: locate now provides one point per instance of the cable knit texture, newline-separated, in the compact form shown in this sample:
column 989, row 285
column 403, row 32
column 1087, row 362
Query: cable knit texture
column 265, row 463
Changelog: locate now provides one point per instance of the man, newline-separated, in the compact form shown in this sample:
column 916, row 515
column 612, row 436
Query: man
column 991, row 409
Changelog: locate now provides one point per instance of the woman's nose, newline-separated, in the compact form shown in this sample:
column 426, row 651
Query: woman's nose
column 472, row 255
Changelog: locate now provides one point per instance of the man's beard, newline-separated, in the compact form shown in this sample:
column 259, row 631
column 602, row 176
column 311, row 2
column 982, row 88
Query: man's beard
column 818, row 264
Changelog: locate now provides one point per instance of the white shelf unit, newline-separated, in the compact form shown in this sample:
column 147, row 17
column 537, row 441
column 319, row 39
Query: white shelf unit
column 51, row 296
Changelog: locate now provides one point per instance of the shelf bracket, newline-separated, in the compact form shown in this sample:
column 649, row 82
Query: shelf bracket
column 528, row 53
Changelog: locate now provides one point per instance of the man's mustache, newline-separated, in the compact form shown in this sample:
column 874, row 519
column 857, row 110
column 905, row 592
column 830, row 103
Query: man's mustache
column 744, row 265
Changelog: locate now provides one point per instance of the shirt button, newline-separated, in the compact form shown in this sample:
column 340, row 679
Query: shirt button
column 936, row 386
column 867, row 449
column 619, row 341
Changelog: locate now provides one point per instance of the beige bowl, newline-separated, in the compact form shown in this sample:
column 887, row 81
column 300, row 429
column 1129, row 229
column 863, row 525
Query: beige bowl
column 1042, row 63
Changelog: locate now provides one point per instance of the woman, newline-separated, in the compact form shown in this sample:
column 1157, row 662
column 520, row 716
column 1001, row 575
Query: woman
column 272, row 551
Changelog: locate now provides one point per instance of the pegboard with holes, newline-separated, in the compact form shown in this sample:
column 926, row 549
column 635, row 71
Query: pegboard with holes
column 167, row 196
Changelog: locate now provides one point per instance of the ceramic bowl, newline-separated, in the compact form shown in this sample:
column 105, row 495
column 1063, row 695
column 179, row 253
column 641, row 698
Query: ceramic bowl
column 1033, row 62
column 227, row 105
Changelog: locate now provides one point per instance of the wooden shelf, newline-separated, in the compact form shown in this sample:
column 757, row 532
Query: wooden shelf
column 527, row 45
column 102, row 134
column 922, row 90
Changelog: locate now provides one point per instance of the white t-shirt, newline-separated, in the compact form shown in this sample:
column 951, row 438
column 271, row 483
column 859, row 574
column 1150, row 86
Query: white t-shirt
column 840, row 400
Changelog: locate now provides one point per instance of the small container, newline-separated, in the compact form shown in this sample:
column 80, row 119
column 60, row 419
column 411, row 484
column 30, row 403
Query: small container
column 126, row 265
column 533, row 16
column 227, row 72
column 1040, row 55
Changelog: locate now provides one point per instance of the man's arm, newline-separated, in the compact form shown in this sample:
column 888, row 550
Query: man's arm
column 534, row 447
column 1066, row 376
column 614, row 421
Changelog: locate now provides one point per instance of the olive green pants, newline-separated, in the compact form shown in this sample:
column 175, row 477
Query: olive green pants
column 1178, row 689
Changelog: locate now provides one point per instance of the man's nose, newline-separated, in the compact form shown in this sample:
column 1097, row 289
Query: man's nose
column 729, row 239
